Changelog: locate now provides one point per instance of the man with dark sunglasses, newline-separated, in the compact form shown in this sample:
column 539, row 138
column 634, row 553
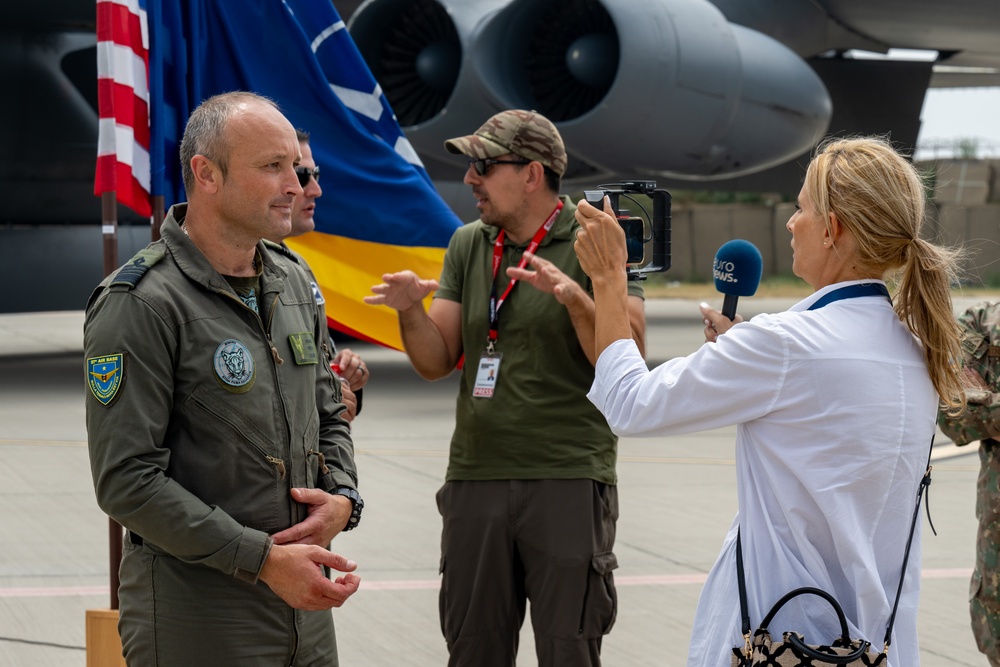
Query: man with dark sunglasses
column 353, row 372
column 529, row 504
column 307, row 172
column 483, row 165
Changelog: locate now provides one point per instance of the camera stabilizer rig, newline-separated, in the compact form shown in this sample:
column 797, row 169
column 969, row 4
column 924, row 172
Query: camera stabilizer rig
column 639, row 262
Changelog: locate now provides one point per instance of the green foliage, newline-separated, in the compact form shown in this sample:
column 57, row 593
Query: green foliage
column 967, row 148
column 985, row 282
column 928, row 175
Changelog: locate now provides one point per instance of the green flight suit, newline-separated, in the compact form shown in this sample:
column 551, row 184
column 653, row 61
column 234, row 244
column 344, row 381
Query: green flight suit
column 201, row 416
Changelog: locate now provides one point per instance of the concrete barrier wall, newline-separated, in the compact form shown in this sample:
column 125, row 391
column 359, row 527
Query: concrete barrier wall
column 699, row 229
column 963, row 182
column 977, row 230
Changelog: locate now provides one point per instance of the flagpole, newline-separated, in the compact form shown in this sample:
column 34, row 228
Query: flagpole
column 109, row 228
column 158, row 203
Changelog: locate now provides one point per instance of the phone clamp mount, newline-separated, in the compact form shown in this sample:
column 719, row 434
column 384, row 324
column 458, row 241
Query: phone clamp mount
column 647, row 237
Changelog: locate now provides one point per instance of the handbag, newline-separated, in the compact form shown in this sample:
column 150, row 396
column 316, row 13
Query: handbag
column 760, row 650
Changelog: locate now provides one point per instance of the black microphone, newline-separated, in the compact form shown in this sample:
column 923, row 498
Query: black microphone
column 737, row 270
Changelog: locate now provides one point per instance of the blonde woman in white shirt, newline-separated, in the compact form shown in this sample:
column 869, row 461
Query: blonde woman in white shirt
column 835, row 402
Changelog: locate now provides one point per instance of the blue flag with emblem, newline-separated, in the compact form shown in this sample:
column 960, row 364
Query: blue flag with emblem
column 379, row 212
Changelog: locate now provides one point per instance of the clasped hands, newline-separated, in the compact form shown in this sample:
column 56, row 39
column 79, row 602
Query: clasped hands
column 294, row 565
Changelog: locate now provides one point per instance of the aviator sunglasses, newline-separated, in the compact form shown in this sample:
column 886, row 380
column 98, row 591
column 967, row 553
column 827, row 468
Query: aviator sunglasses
column 305, row 172
column 482, row 165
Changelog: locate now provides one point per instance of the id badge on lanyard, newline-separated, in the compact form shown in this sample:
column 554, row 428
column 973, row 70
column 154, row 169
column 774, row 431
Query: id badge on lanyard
column 486, row 375
column 489, row 362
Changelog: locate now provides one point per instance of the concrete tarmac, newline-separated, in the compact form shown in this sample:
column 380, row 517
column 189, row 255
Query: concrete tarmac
column 677, row 499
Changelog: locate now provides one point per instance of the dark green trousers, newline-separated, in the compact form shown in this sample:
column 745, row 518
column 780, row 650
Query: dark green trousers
column 173, row 614
column 545, row 541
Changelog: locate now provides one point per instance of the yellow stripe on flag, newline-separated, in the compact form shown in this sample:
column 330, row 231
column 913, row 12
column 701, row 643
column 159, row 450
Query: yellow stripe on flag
column 346, row 269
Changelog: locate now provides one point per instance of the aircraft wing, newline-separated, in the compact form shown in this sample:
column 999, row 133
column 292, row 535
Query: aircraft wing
column 722, row 94
column 966, row 33
column 682, row 90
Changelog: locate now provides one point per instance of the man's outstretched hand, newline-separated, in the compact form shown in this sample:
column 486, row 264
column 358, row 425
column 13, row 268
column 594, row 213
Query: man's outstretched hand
column 401, row 291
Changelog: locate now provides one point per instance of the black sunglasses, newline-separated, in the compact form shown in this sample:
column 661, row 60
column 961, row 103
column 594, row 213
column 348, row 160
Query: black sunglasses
column 482, row 165
column 305, row 172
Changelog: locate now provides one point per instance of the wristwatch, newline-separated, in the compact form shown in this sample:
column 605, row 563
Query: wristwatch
column 356, row 502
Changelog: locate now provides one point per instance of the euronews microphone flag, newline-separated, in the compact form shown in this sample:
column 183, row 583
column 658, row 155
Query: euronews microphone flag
column 379, row 212
column 737, row 269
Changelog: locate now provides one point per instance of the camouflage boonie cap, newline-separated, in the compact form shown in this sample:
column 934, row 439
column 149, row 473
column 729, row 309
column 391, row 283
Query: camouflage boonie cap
column 526, row 133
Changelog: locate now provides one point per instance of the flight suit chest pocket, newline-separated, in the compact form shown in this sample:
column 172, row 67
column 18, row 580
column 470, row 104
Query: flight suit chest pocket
column 226, row 460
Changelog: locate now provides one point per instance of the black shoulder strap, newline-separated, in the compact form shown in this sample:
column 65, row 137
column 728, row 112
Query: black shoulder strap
column 133, row 271
column 744, row 606
column 925, row 483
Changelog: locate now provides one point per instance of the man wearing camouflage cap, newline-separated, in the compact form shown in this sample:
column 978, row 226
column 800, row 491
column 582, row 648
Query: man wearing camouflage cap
column 981, row 421
column 529, row 503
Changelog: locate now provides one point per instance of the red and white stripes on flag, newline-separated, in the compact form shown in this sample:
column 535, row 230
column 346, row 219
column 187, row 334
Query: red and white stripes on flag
column 123, row 103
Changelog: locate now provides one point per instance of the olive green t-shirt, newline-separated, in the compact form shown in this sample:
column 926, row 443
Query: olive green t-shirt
column 539, row 423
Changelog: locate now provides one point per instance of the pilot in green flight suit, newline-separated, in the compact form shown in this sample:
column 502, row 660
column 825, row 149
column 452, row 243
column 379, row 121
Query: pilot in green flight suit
column 211, row 398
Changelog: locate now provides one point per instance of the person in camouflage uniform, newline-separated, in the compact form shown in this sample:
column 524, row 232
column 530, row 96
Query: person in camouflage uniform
column 981, row 421
column 530, row 501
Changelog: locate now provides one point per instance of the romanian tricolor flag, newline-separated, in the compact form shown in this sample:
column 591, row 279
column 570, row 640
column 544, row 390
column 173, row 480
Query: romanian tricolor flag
column 379, row 211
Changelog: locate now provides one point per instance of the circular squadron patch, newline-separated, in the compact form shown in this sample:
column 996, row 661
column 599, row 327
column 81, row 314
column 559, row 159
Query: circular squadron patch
column 234, row 366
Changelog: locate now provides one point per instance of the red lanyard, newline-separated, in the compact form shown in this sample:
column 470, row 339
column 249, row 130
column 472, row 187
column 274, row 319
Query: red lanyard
column 498, row 255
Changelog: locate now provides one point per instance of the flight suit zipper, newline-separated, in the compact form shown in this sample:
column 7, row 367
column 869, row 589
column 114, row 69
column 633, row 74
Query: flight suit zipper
column 267, row 332
column 277, row 463
column 276, row 358
column 266, row 328
column 323, row 468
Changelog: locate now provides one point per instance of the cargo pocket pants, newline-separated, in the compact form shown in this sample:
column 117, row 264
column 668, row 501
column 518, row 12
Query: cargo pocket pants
column 505, row 542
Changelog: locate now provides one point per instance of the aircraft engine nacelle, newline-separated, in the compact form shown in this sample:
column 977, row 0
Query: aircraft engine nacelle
column 664, row 87
column 418, row 51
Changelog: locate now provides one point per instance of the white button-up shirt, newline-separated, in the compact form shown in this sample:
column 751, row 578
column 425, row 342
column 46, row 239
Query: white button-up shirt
column 835, row 412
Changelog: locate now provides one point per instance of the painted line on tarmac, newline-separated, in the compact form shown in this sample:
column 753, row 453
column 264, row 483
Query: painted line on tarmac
column 44, row 443
column 942, row 452
column 431, row 584
column 950, row 450
column 53, row 592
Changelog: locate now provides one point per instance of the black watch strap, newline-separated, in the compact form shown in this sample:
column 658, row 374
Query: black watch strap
column 357, row 505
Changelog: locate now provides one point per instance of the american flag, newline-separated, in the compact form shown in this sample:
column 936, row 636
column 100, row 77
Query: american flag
column 123, row 103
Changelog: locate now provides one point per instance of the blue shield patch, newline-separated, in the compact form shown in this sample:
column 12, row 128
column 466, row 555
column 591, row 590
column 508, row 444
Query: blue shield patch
column 105, row 376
